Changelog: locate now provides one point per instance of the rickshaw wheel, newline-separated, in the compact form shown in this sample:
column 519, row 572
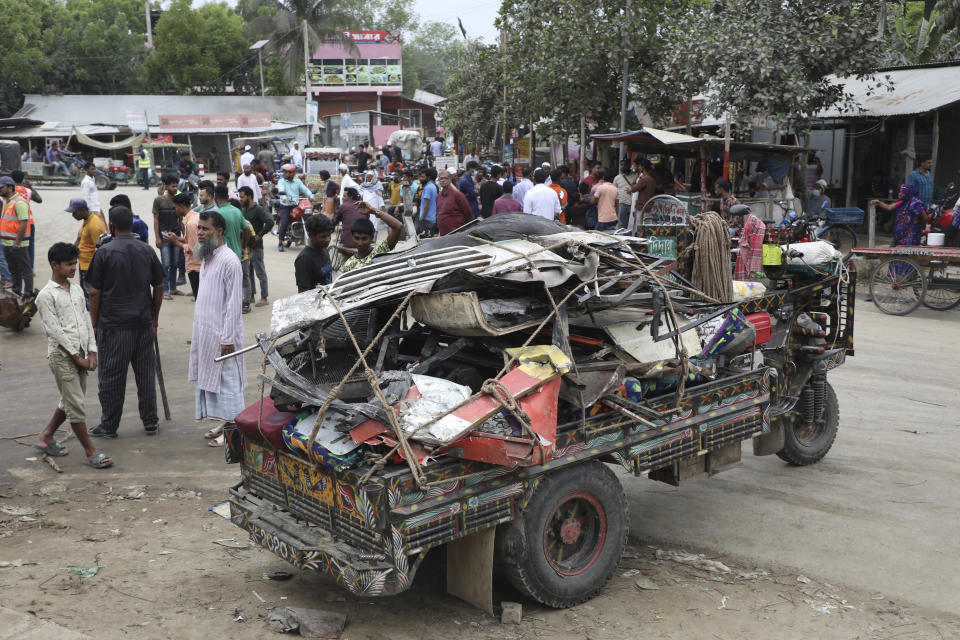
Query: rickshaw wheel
column 941, row 296
column 898, row 286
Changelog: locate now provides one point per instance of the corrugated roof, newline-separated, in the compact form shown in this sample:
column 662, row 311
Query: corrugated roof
column 113, row 109
column 915, row 90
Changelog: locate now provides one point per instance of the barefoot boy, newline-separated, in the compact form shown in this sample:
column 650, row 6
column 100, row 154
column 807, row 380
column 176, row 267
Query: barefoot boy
column 71, row 352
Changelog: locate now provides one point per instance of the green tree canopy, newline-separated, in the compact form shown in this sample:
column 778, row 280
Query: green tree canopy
column 21, row 56
column 196, row 50
column 98, row 45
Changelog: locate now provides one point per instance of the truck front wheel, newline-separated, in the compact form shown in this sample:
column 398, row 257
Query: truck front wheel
column 566, row 544
column 807, row 443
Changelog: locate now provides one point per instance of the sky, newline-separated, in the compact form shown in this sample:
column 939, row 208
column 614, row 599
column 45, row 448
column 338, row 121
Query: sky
column 477, row 15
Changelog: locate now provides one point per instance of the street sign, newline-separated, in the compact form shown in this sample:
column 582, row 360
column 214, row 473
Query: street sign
column 137, row 122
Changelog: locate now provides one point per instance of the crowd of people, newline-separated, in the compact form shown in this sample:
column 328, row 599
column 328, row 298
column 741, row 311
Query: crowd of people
column 216, row 245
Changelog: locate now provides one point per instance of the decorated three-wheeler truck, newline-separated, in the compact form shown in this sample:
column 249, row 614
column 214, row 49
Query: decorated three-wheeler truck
column 473, row 392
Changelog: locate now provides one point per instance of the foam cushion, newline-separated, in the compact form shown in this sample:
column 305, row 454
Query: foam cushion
column 271, row 427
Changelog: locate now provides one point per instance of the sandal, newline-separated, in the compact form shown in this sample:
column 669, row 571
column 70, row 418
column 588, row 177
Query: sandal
column 177, row 292
column 167, row 296
column 213, row 433
column 263, row 302
column 216, row 442
column 99, row 461
column 52, row 449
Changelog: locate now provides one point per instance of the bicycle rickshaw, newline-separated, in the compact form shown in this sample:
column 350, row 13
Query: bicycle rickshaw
column 910, row 276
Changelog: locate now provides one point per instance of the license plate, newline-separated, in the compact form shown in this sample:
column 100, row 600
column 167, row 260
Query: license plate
column 952, row 271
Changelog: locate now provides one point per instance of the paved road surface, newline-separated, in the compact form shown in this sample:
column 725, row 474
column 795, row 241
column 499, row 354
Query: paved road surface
column 880, row 513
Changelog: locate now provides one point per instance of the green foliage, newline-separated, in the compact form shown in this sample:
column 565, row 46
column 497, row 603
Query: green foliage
column 473, row 93
column 757, row 58
column 429, row 57
column 196, row 50
column 916, row 39
column 284, row 29
column 98, row 45
column 21, row 57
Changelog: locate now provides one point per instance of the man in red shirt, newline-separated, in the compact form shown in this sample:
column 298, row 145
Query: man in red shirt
column 452, row 208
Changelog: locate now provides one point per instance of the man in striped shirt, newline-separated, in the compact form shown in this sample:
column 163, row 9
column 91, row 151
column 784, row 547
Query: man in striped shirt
column 217, row 328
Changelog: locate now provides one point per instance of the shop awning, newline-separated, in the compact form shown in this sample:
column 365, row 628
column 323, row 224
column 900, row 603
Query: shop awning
column 132, row 141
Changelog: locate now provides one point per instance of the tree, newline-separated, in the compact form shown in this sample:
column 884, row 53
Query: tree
column 759, row 58
column 98, row 46
column 473, row 95
column 21, row 57
column 924, row 33
column 196, row 50
column 429, row 57
column 285, row 27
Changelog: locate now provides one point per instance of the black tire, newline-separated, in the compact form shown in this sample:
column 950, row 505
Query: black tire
column 898, row 286
column 842, row 238
column 556, row 558
column 942, row 293
column 102, row 182
column 799, row 450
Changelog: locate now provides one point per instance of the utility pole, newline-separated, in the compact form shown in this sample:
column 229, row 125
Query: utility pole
column 623, row 89
column 306, row 63
column 503, row 54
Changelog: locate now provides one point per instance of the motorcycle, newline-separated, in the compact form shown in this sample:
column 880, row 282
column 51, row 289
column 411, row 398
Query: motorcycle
column 297, row 230
column 827, row 224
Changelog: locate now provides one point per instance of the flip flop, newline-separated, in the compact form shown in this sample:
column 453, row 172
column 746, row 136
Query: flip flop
column 99, row 461
column 262, row 303
column 53, row 449
column 167, row 296
column 177, row 292
column 216, row 442
column 213, row 433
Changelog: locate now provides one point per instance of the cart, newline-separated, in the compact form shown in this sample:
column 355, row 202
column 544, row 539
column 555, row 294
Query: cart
column 910, row 276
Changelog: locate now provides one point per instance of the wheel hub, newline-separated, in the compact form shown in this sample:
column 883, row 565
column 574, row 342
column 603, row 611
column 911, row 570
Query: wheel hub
column 570, row 531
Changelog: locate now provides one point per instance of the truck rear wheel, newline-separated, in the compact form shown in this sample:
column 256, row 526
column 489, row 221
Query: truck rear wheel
column 802, row 444
column 566, row 544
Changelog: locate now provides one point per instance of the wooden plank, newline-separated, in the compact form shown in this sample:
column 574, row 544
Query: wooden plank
column 470, row 569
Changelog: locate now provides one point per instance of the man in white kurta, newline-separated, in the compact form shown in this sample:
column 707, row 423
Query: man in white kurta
column 217, row 325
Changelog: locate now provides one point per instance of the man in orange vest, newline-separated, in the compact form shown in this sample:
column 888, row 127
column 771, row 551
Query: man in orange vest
column 29, row 194
column 14, row 230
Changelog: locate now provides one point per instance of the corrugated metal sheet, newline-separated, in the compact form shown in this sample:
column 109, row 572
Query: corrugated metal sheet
column 113, row 109
column 61, row 130
column 917, row 90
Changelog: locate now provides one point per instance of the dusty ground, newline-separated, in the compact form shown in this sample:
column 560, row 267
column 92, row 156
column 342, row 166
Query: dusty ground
column 863, row 545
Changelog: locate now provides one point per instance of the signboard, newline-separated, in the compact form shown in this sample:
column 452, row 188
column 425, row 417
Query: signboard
column 508, row 154
column 358, row 129
column 523, row 150
column 663, row 209
column 313, row 109
column 662, row 246
column 445, row 163
column 679, row 117
column 137, row 122
column 374, row 62
column 216, row 121
column 384, row 36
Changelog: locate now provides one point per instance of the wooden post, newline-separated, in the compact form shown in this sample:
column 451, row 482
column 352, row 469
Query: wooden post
column 726, row 150
column 851, row 143
column 936, row 142
column 533, row 146
column 871, row 225
column 703, row 177
column 910, row 153
column 583, row 132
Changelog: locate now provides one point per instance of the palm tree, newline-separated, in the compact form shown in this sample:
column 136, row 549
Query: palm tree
column 295, row 25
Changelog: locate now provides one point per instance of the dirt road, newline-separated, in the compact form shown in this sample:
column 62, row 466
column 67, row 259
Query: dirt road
column 873, row 527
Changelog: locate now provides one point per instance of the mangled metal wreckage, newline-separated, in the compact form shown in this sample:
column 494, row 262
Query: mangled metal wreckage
column 477, row 383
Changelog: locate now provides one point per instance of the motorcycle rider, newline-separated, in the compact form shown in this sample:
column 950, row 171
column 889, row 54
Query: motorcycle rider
column 818, row 200
column 289, row 190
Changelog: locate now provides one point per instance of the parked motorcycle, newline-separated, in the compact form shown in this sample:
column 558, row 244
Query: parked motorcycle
column 831, row 224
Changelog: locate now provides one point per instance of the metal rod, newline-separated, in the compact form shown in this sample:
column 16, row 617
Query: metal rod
column 234, row 354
